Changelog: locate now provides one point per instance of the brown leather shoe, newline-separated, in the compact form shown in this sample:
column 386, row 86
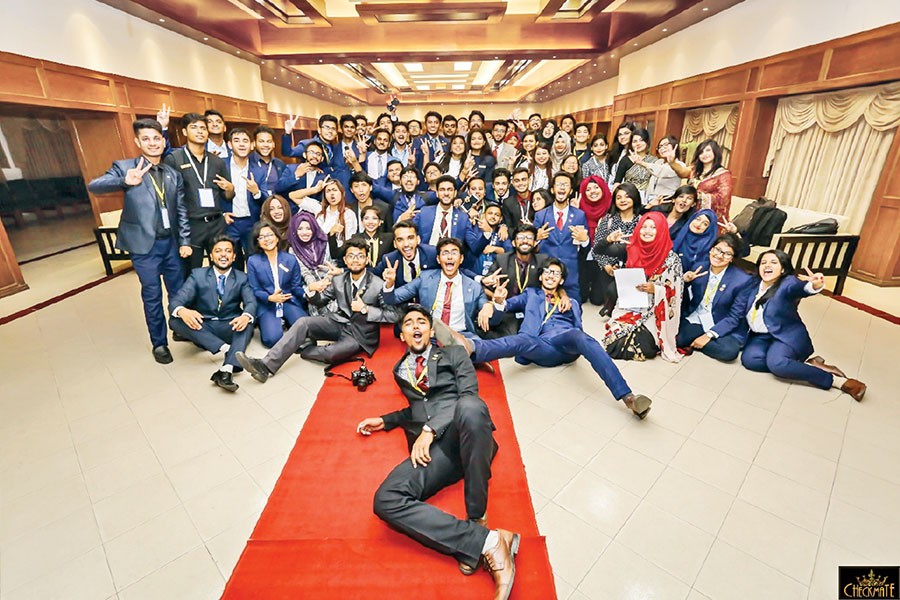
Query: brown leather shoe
column 501, row 562
column 463, row 567
column 855, row 388
column 639, row 404
column 818, row 361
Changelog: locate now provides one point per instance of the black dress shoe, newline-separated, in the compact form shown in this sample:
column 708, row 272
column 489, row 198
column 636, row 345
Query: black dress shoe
column 305, row 344
column 162, row 355
column 254, row 366
column 224, row 380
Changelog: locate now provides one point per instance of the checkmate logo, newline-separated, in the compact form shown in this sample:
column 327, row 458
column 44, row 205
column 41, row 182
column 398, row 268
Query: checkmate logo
column 868, row 582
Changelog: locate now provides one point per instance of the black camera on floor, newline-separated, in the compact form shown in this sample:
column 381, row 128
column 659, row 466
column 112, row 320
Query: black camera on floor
column 361, row 378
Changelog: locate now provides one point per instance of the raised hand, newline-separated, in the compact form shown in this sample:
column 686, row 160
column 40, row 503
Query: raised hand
column 615, row 236
column 689, row 276
column 224, row 184
column 492, row 279
column 361, row 144
column 390, row 272
column 503, row 233
column 544, row 232
column 579, row 233
column 290, row 123
column 485, row 314
column 252, row 186
column 817, row 279
column 136, row 175
column 728, row 226
column 319, row 286
column 302, row 169
column 162, row 116
column 501, row 293
column 576, row 200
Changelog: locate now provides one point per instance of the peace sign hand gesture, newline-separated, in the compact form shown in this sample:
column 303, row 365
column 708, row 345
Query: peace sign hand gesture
column 290, row 123
column 501, row 293
column 817, row 279
column 252, row 186
column 136, row 175
column 689, row 276
column 162, row 116
column 390, row 272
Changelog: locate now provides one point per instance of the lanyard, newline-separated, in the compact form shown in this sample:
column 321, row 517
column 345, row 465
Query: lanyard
column 549, row 310
column 710, row 293
column 196, row 171
column 437, row 296
column 160, row 192
column 268, row 171
column 375, row 243
column 522, row 285
column 416, row 381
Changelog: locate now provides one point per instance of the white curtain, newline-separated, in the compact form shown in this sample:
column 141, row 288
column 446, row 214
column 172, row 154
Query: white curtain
column 827, row 151
column 711, row 123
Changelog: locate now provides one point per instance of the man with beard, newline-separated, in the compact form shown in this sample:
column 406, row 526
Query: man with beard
column 154, row 226
column 353, row 327
column 450, row 437
column 385, row 188
column 215, row 309
column 444, row 220
column 416, row 256
column 562, row 230
column 408, row 200
column 550, row 337
column 431, row 146
column 264, row 165
column 402, row 149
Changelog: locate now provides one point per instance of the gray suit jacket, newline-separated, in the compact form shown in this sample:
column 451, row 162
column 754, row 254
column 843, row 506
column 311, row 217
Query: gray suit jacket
column 137, row 226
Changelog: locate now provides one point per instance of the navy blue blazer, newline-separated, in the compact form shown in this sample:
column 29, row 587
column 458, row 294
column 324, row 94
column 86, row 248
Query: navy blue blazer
column 290, row 279
column 137, row 225
column 384, row 190
column 782, row 318
column 461, row 228
column 729, row 305
column 266, row 174
column 298, row 150
column 560, row 244
column 427, row 260
column 533, row 303
column 199, row 293
column 288, row 182
column 425, row 289
column 419, row 153
column 400, row 201
column 255, row 204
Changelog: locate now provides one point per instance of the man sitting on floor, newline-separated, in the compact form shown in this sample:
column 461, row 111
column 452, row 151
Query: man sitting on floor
column 450, row 436
column 353, row 327
column 549, row 337
column 215, row 308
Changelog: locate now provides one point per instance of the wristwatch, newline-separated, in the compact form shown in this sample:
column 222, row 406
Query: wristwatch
column 428, row 429
column 365, row 309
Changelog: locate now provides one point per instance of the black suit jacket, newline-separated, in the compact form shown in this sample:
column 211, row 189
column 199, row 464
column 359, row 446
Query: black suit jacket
column 512, row 212
column 363, row 327
column 199, row 293
column 507, row 264
column 451, row 378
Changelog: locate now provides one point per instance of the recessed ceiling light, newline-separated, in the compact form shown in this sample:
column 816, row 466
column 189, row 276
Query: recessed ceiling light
column 604, row 71
column 664, row 30
column 238, row 51
column 635, row 43
column 705, row 8
column 554, row 57
column 320, row 60
column 274, row 78
column 612, row 55
column 206, row 39
column 162, row 20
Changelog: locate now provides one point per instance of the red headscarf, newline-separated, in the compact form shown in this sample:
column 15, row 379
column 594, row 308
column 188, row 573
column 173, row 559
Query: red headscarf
column 595, row 210
column 649, row 256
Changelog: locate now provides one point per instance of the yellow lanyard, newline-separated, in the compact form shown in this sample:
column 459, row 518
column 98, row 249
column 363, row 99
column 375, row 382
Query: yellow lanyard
column 519, row 282
column 160, row 193
column 710, row 293
column 374, row 244
column 412, row 378
column 549, row 310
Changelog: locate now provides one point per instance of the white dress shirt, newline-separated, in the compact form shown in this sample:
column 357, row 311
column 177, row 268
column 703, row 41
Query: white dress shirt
column 239, row 206
column 457, row 302
column 436, row 228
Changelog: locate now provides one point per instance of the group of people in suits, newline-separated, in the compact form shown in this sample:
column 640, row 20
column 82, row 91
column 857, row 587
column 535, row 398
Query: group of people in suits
column 444, row 239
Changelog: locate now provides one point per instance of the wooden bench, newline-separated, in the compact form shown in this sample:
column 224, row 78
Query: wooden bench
column 830, row 255
column 106, row 242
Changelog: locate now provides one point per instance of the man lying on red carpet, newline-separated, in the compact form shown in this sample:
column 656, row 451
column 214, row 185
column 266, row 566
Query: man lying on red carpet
column 450, row 434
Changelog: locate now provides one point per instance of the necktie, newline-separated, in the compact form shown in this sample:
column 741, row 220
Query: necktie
column 421, row 381
column 559, row 221
column 444, row 230
column 328, row 154
column 412, row 270
column 355, row 290
column 381, row 165
column 445, row 311
column 220, row 286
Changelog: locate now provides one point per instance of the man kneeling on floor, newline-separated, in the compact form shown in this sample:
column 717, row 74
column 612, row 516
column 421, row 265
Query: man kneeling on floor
column 215, row 308
column 353, row 326
column 550, row 337
column 449, row 432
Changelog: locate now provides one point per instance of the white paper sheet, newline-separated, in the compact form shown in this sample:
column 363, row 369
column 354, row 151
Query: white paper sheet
column 626, row 282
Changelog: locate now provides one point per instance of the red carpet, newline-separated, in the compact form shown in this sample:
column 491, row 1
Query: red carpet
column 318, row 537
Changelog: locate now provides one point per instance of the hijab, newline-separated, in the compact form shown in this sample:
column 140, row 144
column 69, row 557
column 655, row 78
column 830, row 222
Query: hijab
column 693, row 248
column 649, row 256
column 312, row 253
column 557, row 158
column 280, row 228
column 594, row 211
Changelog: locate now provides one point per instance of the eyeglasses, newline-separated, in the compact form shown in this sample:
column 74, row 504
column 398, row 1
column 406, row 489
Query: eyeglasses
column 267, row 236
column 449, row 252
column 354, row 256
column 721, row 253
column 553, row 272
column 524, row 238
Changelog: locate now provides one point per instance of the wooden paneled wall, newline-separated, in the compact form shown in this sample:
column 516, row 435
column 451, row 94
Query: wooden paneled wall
column 868, row 58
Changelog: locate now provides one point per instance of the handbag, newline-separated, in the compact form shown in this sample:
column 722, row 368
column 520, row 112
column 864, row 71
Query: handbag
column 828, row 226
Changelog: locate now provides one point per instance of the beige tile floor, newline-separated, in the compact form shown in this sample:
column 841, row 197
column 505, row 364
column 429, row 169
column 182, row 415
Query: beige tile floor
column 121, row 478
column 38, row 238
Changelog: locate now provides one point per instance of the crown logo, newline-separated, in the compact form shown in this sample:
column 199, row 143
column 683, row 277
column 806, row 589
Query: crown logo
column 871, row 580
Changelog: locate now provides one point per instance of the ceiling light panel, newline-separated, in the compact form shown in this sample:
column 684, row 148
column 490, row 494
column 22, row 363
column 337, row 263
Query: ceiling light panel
column 486, row 72
column 413, row 67
column 392, row 74
column 462, row 66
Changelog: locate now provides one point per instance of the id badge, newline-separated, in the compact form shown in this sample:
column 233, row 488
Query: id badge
column 520, row 315
column 279, row 310
column 165, row 218
column 207, row 200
